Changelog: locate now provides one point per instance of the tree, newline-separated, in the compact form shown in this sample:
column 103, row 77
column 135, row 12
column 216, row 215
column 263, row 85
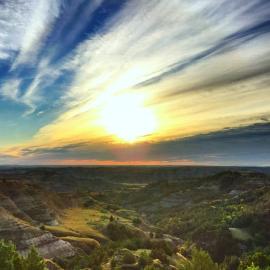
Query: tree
column 34, row 261
column 200, row 260
column 10, row 259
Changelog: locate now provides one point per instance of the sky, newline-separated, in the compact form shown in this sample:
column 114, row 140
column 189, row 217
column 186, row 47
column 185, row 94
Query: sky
column 157, row 82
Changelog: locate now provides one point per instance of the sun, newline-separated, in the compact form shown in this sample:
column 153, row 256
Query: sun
column 126, row 117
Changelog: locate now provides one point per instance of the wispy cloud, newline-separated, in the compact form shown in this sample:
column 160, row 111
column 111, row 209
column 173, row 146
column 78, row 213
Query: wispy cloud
column 11, row 90
column 201, row 65
column 225, row 147
column 25, row 25
column 178, row 46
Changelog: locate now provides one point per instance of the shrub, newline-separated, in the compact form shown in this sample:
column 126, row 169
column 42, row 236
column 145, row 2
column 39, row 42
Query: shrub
column 258, row 259
column 144, row 259
column 165, row 244
column 122, row 257
column 129, row 259
column 151, row 267
column 96, row 258
column 10, row 259
column 33, row 261
column 253, row 267
column 200, row 260
column 136, row 221
column 158, row 253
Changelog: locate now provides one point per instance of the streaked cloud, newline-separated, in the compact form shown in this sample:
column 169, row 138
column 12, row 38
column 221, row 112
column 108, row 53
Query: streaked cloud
column 11, row 90
column 201, row 66
column 25, row 25
column 225, row 147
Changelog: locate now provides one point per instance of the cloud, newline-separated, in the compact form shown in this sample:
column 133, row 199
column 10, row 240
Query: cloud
column 247, row 145
column 10, row 90
column 243, row 146
column 202, row 66
column 35, row 25
column 146, row 43
column 25, row 25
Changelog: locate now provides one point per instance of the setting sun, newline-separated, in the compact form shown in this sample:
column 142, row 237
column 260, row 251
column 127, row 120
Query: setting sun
column 127, row 118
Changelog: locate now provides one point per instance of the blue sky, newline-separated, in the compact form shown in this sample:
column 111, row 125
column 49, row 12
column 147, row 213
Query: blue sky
column 199, row 69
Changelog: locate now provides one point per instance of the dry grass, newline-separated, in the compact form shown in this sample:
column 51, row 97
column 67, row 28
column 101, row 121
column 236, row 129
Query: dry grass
column 80, row 220
column 52, row 265
column 84, row 222
column 85, row 244
column 81, row 240
column 60, row 231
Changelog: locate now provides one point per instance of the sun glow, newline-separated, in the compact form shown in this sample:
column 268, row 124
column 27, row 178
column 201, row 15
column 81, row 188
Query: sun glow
column 126, row 117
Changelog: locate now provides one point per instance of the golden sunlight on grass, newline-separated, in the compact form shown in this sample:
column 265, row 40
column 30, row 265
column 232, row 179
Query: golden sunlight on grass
column 126, row 117
column 78, row 220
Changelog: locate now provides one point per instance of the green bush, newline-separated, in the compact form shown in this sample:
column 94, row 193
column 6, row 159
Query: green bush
column 136, row 221
column 94, row 260
column 253, row 267
column 200, row 260
column 33, row 261
column 134, row 243
column 151, row 267
column 158, row 253
column 144, row 259
column 10, row 259
column 258, row 259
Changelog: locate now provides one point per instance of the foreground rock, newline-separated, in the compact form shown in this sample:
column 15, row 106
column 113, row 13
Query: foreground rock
column 28, row 202
column 23, row 207
column 24, row 236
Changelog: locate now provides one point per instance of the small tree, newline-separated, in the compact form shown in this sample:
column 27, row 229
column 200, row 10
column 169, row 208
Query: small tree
column 34, row 261
column 200, row 260
column 10, row 259
column 8, row 255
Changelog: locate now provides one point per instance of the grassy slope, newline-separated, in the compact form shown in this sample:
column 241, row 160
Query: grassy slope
column 80, row 220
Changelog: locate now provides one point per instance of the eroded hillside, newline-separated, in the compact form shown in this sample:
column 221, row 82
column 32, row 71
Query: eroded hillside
column 132, row 223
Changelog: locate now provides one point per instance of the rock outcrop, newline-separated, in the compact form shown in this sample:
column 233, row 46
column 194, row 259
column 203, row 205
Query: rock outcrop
column 22, row 210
